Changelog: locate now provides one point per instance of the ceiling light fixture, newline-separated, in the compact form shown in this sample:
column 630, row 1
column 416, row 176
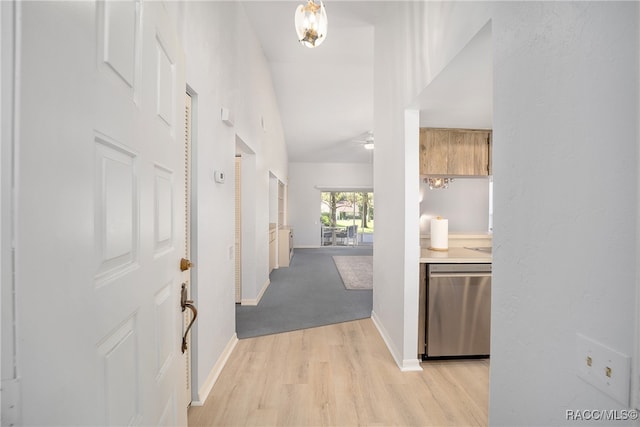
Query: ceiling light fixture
column 311, row 23
column 368, row 145
column 436, row 183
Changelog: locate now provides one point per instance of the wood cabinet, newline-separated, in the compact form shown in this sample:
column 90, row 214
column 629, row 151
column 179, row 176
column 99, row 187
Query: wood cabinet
column 285, row 247
column 272, row 247
column 455, row 152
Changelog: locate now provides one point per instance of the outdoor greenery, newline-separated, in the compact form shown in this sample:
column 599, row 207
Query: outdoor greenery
column 325, row 218
column 358, row 206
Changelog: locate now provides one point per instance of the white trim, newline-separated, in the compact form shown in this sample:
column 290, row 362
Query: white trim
column 407, row 365
column 255, row 301
column 203, row 392
column 385, row 337
column 411, row 365
column 411, row 268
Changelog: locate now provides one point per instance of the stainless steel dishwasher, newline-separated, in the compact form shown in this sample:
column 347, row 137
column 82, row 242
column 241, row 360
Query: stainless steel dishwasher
column 458, row 310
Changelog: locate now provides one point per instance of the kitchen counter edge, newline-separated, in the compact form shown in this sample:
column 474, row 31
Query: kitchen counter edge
column 454, row 256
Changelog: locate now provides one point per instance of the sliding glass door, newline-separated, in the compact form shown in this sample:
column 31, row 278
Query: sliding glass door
column 347, row 218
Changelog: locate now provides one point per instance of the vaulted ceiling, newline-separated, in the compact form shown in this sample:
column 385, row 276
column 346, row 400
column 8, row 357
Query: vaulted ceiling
column 325, row 94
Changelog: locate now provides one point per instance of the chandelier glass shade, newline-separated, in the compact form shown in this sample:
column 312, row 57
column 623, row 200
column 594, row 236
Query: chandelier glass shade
column 438, row 182
column 311, row 23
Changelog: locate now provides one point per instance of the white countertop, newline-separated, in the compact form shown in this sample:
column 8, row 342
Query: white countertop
column 454, row 255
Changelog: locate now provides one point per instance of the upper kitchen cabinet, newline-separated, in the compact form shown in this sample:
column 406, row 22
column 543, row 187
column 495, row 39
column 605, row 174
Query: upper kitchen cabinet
column 455, row 152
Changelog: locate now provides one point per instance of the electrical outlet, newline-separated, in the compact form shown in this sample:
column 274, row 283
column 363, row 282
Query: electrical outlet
column 604, row 368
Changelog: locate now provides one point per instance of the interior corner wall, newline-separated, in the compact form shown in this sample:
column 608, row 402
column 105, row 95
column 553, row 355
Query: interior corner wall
column 414, row 42
column 304, row 195
column 226, row 67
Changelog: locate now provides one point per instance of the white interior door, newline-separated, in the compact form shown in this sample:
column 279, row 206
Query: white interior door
column 99, row 222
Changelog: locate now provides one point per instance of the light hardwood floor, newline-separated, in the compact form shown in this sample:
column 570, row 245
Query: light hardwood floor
column 341, row 375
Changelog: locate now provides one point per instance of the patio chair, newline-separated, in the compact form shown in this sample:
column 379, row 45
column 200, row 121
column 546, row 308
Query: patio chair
column 326, row 235
column 342, row 235
column 352, row 235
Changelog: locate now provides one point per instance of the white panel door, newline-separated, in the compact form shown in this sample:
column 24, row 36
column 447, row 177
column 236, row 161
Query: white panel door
column 100, row 214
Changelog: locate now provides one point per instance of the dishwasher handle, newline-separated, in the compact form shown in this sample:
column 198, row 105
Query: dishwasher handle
column 465, row 274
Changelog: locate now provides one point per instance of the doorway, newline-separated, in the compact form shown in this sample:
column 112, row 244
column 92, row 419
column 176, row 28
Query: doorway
column 245, row 224
column 238, row 232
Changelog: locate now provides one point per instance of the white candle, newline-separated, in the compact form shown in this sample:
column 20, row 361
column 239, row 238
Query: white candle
column 439, row 234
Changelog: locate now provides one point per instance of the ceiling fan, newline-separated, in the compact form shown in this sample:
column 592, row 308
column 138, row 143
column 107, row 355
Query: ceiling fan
column 366, row 140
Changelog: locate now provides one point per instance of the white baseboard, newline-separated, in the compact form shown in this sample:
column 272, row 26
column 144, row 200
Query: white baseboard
column 385, row 337
column 411, row 365
column 405, row 365
column 205, row 389
column 259, row 297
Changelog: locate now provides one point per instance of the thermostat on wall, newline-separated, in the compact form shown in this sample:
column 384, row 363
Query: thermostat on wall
column 218, row 176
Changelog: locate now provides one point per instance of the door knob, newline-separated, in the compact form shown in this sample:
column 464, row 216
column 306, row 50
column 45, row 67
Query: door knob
column 185, row 264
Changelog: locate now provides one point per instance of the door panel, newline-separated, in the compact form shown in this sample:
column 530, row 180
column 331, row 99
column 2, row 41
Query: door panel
column 116, row 210
column 100, row 214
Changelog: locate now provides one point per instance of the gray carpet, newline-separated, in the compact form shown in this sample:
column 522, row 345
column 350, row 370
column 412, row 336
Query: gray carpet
column 306, row 294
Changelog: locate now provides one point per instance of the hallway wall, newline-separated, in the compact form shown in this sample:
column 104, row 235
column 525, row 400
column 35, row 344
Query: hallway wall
column 226, row 68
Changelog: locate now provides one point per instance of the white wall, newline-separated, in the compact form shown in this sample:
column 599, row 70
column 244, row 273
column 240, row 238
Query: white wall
column 305, row 183
column 7, row 371
column 565, row 160
column 565, row 114
column 465, row 204
column 226, row 68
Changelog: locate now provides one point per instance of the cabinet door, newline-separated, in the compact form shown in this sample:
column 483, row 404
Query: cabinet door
column 434, row 151
column 468, row 153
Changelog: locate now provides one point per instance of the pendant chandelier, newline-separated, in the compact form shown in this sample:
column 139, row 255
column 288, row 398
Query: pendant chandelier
column 311, row 23
column 438, row 182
